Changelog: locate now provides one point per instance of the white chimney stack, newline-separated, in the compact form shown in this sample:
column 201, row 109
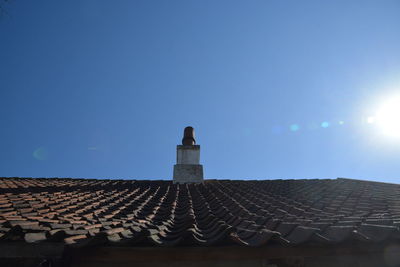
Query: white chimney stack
column 187, row 168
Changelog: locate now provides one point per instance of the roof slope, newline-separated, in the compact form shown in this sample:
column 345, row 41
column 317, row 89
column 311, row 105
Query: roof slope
column 218, row 212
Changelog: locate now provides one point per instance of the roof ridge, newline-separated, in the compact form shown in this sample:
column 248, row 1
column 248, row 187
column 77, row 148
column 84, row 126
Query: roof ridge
column 366, row 181
column 205, row 180
column 150, row 180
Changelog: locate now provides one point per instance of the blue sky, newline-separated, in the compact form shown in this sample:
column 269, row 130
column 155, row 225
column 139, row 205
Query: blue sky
column 274, row 89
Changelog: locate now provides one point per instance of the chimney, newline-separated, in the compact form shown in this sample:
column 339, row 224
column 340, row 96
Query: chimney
column 187, row 168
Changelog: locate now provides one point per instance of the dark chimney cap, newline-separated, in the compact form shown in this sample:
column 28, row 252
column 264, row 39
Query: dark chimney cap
column 188, row 137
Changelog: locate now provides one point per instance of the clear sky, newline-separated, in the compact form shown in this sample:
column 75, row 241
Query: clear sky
column 274, row 89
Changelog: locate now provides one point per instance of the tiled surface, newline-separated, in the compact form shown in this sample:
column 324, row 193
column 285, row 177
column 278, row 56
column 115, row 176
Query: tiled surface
column 218, row 212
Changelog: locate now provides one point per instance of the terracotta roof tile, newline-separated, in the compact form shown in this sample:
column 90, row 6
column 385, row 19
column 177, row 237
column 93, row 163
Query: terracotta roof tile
column 251, row 213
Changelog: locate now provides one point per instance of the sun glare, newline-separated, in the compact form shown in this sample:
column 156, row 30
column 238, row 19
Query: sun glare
column 388, row 117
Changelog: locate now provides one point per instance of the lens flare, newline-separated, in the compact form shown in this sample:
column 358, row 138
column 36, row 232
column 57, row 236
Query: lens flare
column 325, row 124
column 294, row 127
column 40, row 153
column 371, row 119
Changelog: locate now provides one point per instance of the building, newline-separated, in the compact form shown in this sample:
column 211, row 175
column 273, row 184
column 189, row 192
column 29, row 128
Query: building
column 269, row 223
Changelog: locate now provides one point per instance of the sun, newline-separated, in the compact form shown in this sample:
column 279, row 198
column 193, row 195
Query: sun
column 387, row 117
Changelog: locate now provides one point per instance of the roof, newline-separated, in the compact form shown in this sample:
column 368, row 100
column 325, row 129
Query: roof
column 84, row 212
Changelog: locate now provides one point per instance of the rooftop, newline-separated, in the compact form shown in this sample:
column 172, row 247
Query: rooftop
column 85, row 212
